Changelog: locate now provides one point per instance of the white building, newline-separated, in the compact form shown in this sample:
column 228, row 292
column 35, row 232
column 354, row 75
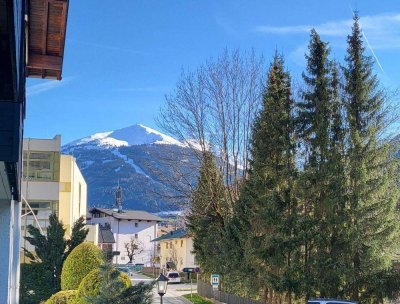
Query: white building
column 127, row 224
column 51, row 182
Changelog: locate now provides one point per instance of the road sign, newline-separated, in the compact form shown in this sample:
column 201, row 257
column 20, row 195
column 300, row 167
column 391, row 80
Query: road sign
column 215, row 280
column 197, row 269
column 188, row 269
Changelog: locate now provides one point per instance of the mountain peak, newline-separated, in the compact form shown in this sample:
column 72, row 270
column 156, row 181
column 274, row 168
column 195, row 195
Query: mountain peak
column 137, row 134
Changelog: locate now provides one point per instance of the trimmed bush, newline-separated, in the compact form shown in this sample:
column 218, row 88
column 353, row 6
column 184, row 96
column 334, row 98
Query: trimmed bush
column 126, row 279
column 63, row 297
column 91, row 283
column 82, row 260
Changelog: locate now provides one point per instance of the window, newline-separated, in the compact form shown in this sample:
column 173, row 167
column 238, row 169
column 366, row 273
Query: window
column 41, row 166
column 136, row 236
column 136, row 224
column 42, row 211
column 181, row 243
column 166, row 245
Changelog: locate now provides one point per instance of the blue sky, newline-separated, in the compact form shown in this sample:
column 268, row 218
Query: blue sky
column 122, row 57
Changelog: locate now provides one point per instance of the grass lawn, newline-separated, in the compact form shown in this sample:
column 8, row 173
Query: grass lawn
column 197, row 299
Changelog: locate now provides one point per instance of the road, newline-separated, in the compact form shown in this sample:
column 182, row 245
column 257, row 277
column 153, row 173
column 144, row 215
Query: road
column 174, row 291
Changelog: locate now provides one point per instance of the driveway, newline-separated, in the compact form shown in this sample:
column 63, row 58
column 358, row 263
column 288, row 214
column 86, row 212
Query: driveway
column 174, row 291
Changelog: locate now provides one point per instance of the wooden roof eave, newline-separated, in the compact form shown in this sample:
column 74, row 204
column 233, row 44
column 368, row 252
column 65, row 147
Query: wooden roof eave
column 46, row 32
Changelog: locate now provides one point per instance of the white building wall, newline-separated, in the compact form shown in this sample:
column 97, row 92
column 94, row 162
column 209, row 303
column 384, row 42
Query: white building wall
column 93, row 234
column 32, row 190
column 124, row 230
column 36, row 144
column 190, row 258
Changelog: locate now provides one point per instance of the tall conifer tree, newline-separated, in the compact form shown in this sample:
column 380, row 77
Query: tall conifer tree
column 268, row 194
column 208, row 215
column 372, row 192
column 314, row 121
column 333, row 263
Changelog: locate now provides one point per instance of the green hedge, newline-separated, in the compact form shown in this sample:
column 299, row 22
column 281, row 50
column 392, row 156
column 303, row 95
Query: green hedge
column 63, row 297
column 82, row 260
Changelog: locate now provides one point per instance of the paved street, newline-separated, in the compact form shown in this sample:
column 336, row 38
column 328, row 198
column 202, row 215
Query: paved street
column 174, row 291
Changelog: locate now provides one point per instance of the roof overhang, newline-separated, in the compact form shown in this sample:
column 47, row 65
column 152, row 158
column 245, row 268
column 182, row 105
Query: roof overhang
column 47, row 23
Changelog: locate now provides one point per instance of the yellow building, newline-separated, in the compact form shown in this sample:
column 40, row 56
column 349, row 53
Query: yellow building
column 51, row 182
column 176, row 250
column 73, row 192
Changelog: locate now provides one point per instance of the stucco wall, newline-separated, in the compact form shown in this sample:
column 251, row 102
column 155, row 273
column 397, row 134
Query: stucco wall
column 123, row 230
column 45, row 190
column 72, row 202
column 180, row 252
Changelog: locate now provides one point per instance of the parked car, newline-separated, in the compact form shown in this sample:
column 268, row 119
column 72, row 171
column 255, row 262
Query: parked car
column 138, row 267
column 330, row 301
column 173, row 277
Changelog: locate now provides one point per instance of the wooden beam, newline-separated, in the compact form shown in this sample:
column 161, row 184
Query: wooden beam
column 44, row 62
column 45, row 19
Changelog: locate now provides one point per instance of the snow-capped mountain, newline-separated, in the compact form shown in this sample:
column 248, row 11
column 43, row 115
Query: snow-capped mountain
column 152, row 168
column 129, row 136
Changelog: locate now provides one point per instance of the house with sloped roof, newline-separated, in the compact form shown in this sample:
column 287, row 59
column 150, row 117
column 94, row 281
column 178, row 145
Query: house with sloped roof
column 105, row 240
column 176, row 250
column 126, row 226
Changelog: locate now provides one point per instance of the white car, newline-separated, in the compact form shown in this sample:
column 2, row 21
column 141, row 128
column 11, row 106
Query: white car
column 330, row 301
column 173, row 277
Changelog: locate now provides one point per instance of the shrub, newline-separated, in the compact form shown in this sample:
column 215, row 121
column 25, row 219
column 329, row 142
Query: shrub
column 63, row 297
column 93, row 281
column 82, row 260
column 35, row 283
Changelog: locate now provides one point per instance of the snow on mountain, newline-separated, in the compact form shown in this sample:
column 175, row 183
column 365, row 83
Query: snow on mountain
column 129, row 136
column 147, row 164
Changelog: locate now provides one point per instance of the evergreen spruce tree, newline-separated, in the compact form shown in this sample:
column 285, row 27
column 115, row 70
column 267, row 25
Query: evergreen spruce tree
column 208, row 216
column 314, row 122
column 323, row 181
column 373, row 226
column 267, row 202
column 334, row 260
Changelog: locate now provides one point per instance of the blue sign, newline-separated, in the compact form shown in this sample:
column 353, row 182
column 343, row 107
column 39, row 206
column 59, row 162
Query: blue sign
column 214, row 280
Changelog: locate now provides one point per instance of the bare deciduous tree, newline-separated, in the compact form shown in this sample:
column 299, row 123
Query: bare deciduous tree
column 173, row 257
column 133, row 247
column 213, row 108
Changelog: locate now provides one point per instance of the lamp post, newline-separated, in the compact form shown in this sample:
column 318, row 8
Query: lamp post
column 162, row 283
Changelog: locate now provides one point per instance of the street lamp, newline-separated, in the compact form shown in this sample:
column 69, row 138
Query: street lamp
column 162, row 283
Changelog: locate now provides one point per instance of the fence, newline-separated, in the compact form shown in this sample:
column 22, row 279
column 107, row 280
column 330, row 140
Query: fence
column 151, row 270
column 206, row 290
